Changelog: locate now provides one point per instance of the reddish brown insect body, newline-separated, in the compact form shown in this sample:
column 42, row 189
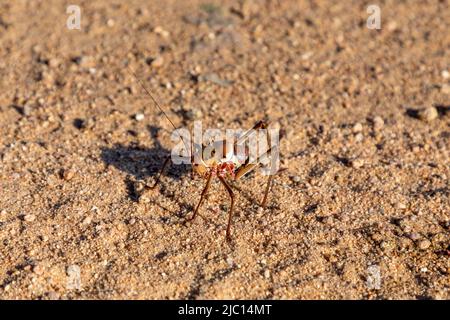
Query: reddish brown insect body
column 224, row 168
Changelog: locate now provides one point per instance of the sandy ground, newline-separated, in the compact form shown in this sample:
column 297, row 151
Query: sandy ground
column 359, row 211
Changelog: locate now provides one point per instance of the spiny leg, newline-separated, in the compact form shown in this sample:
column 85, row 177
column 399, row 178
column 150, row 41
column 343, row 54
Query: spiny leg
column 230, row 214
column 158, row 178
column 202, row 197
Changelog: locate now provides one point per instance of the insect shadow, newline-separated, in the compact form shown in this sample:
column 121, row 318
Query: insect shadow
column 141, row 163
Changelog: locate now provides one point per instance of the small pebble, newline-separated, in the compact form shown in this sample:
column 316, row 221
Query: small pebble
column 295, row 179
column 68, row 174
column 214, row 78
column 387, row 246
column 359, row 137
column 53, row 62
column 401, row 206
column 378, row 123
column 144, row 198
column 392, row 25
column 407, row 230
column 74, row 277
column 38, row 269
column 37, row 49
column 29, row 218
column 73, row 269
column 160, row 31
column 373, row 280
column 428, row 114
column 439, row 238
column 307, row 55
column 424, row 244
column 157, row 62
column 404, row 244
column 82, row 124
column 194, row 114
column 87, row 220
column 27, row 110
column 267, row 273
column 139, row 117
column 377, row 237
column 445, row 74
column 414, row 236
column 357, row 128
column 328, row 220
column 357, row 163
column 85, row 61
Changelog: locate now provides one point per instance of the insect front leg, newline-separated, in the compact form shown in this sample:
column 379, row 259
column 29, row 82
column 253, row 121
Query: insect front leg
column 230, row 213
column 202, row 197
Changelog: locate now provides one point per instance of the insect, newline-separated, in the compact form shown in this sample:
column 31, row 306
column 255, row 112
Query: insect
column 225, row 166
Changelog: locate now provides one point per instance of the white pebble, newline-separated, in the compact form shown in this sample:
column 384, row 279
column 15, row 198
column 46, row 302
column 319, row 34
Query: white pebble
column 139, row 117
column 357, row 127
column 87, row 220
column 378, row 123
column 401, row 205
column 428, row 114
column 29, row 218
column 73, row 277
column 424, row 244
column 359, row 137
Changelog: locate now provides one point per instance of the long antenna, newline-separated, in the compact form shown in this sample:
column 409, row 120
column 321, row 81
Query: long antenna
column 159, row 106
column 151, row 96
